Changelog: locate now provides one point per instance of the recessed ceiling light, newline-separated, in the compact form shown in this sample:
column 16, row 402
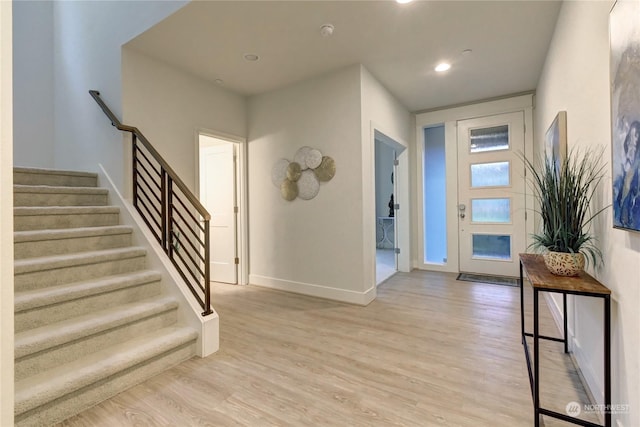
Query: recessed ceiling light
column 404, row 1
column 442, row 67
column 251, row 57
column 219, row 81
column 467, row 52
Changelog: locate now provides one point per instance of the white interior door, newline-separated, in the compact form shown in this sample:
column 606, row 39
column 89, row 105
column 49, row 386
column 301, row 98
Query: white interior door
column 218, row 195
column 491, row 194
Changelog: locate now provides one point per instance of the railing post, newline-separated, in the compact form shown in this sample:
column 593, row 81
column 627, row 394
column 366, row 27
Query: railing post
column 167, row 213
column 134, row 168
column 163, row 208
column 207, row 273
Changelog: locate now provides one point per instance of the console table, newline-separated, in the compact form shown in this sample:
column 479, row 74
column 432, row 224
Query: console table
column 542, row 280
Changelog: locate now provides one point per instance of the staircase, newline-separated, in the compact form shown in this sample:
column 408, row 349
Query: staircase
column 90, row 320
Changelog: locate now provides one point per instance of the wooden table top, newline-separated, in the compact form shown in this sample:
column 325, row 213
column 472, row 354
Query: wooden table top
column 541, row 278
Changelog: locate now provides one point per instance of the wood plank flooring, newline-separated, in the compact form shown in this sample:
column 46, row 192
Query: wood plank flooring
column 429, row 351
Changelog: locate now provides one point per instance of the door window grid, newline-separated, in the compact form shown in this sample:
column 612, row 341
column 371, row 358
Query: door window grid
column 494, row 138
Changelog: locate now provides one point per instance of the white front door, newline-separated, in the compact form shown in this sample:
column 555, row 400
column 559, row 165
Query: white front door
column 491, row 194
column 218, row 195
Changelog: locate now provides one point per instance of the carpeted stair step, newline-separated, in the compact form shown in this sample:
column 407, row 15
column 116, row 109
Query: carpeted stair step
column 43, row 348
column 41, row 307
column 56, row 394
column 37, row 273
column 43, row 195
column 37, row 243
column 41, row 218
column 35, row 176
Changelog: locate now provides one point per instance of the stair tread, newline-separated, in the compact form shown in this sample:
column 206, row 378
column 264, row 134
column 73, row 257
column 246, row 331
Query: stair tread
column 57, row 189
column 66, row 233
column 45, row 171
column 27, row 265
column 50, row 385
column 38, row 339
column 28, row 300
column 63, row 210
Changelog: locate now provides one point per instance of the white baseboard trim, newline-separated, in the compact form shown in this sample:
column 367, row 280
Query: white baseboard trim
column 590, row 378
column 556, row 313
column 335, row 294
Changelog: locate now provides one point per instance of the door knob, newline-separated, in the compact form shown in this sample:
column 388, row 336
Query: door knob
column 462, row 208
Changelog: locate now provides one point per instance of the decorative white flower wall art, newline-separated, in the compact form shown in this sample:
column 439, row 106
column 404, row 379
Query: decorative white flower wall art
column 301, row 177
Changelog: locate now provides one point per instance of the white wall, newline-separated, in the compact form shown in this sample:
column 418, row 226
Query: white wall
column 576, row 79
column 33, row 83
column 6, row 216
column 169, row 106
column 383, row 113
column 308, row 246
column 87, row 41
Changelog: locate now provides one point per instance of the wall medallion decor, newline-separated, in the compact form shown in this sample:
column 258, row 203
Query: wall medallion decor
column 279, row 172
column 301, row 178
column 625, row 113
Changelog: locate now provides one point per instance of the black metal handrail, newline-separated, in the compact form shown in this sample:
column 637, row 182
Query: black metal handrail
column 180, row 226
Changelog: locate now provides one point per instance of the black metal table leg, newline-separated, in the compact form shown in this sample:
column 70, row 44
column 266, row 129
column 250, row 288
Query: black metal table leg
column 536, row 361
column 522, row 303
column 564, row 315
column 607, row 360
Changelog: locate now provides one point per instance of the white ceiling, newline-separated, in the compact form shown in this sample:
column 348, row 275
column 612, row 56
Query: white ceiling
column 399, row 44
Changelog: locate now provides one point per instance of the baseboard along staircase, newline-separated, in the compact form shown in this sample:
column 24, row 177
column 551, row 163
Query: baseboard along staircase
column 90, row 319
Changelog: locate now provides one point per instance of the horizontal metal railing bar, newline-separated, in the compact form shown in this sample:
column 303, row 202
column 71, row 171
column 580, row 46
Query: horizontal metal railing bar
column 195, row 279
column 196, row 250
column 147, row 174
column 195, row 220
column 153, row 193
column 150, row 163
column 158, row 224
column 193, row 261
column 195, row 293
column 174, row 176
column 191, row 230
column 144, row 218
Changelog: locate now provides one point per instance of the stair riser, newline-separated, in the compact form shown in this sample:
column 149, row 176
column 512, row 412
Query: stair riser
column 46, row 359
column 76, row 402
column 40, row 248
column 45, row 222
column 58, row 276
column 59, row 199
column 26, row 178
column 46, row 315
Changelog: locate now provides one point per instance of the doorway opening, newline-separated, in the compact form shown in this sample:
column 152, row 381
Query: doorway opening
column 386, row 224
column 219, row 188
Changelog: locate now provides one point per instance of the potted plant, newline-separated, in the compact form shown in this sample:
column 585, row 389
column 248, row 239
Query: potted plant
column 564, row 190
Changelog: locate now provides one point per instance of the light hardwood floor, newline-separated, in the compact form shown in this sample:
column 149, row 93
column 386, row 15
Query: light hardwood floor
column 429, row 351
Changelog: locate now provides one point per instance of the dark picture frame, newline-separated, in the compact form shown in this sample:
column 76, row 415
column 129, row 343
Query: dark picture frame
column 555, row 139
column 624, row 68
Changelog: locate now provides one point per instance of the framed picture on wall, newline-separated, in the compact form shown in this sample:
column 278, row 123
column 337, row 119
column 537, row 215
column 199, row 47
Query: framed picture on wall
column 624, row 71
column 555, row 139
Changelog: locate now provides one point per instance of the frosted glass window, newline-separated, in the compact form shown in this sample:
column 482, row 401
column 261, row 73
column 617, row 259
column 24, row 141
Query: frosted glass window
column 491, row 246
column 435, row 196
column 490, row 174
column 491, row 210
column 489, row 139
